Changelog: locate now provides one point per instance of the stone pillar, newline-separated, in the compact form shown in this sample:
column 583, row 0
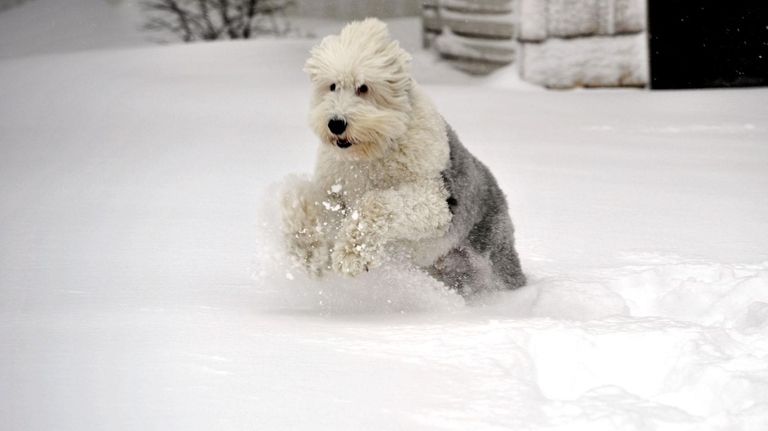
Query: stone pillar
column 477, row 36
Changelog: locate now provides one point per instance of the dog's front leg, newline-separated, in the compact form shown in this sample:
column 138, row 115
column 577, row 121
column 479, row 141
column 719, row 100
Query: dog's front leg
column 304, row 226
column 413, row 211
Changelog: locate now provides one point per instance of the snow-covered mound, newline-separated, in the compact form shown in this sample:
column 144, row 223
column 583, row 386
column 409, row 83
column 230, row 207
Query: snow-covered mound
column 142, row 285
column 50, row 26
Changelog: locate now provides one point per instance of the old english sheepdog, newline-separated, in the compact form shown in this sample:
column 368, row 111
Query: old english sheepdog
column 391, row 175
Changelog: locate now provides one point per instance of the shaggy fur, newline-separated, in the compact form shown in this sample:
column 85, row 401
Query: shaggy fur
column 397, row 179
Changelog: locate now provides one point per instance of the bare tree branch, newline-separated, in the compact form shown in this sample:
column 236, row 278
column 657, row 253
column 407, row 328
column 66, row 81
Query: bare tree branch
column 210, row 31
column 213, row 19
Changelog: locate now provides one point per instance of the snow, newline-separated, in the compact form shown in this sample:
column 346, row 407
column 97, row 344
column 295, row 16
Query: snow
column 46, row 26
column 143, row 284
column 588, row 61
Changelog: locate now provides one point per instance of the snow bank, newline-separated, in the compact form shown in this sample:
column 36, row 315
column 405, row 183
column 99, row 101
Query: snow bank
column 706, row 293
column 48, row 26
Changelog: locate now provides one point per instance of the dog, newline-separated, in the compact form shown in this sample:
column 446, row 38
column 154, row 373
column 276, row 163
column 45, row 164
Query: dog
column 392, row 176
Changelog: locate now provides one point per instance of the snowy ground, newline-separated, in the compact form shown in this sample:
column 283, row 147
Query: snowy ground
column 142, row 287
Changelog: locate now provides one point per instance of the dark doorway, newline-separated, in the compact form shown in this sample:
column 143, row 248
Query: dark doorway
column 708, row 43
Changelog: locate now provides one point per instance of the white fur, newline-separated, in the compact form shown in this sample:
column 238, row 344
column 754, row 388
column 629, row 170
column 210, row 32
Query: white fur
column 386, row 189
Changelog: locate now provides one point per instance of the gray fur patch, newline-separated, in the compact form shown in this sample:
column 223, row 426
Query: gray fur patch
column 482, row 224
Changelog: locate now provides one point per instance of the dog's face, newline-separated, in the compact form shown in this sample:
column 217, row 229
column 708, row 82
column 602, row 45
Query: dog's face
column 361, row 99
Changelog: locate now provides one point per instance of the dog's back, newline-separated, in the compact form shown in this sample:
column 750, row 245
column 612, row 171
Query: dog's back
column 481, row 223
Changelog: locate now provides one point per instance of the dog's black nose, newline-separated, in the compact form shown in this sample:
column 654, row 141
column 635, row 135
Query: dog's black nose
column 337, row 126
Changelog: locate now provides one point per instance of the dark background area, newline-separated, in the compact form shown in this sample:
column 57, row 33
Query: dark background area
column 708, row 43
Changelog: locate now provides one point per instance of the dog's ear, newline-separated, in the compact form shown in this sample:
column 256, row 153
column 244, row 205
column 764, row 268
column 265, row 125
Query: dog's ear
column 317, row 63
column 372, row 32
column 401, row 56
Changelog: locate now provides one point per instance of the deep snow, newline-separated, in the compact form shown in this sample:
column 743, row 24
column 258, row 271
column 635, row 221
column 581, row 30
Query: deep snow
column 142, row 284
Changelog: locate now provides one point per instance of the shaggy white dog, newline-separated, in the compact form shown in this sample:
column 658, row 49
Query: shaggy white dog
column 391, row 176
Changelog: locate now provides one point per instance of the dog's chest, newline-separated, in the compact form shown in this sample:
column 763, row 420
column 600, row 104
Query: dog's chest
column 352, row 179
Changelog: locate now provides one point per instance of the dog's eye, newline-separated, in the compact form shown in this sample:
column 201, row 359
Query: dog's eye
column 333, row 87
column 362, row 89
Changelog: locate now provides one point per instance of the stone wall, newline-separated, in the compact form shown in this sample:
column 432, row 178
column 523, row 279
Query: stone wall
column 557, row 43
column 583, row 43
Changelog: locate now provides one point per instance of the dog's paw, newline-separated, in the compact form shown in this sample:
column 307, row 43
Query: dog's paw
column 360, row 245
column 352, row 259
column 313, row 255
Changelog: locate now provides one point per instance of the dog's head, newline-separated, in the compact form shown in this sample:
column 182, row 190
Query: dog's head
column 361, row 102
